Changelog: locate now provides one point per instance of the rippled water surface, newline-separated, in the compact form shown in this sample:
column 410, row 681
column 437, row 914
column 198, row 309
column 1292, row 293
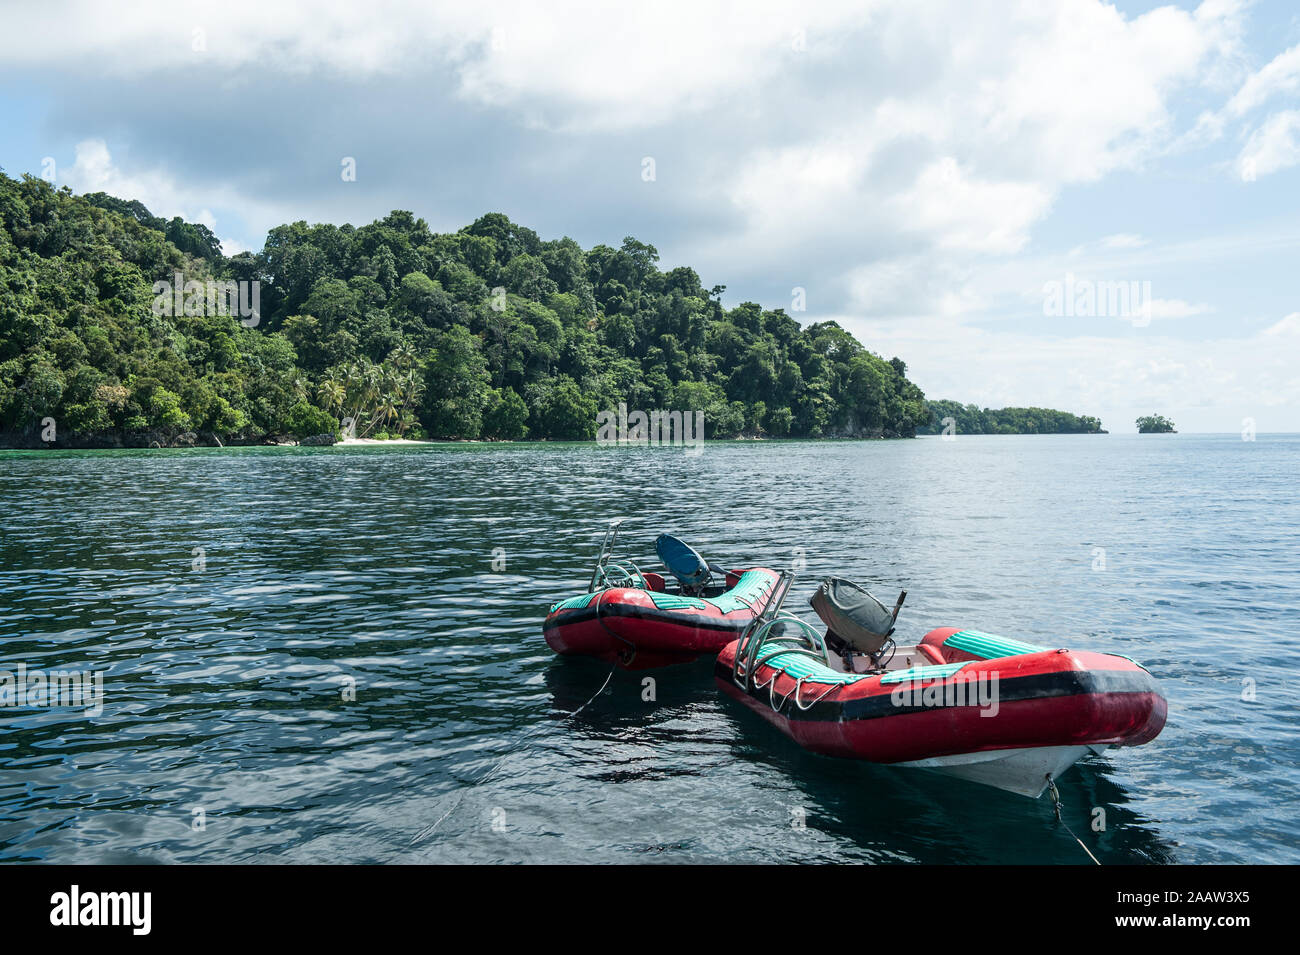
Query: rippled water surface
column 227, row 736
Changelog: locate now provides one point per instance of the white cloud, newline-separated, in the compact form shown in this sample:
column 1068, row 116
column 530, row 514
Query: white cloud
column 981, row 288
column 1274, row 145
column 569, row 62
column 967, row 156
column 1016, row 68
column 95, row 170
column 623, row 65
column 231, row 247
column 1271, row 145
column 960, row 211
column 916, row 284
column 1203, row 385
column 1280, row 76
column 1287, row 327
column 1083, row 89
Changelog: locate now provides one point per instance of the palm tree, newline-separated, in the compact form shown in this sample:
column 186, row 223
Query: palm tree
column 330, row 394
column 403, row 355
column 387, row 410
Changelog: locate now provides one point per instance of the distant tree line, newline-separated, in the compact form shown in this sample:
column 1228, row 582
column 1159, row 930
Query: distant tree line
column 488, row 332
column 972, row 419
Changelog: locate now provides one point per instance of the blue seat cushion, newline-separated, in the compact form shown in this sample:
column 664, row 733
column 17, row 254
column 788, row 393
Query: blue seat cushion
column 682, row 560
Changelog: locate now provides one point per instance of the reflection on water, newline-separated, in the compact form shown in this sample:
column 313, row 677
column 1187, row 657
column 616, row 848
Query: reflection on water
column 340, row 674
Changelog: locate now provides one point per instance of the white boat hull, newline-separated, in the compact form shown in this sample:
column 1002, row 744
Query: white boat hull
column 1022, row 771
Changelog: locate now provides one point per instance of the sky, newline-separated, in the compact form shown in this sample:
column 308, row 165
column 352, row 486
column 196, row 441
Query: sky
column 1068, row 204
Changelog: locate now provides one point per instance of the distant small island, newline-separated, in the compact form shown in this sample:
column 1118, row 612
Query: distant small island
column 1155, row 424
column 971, row 419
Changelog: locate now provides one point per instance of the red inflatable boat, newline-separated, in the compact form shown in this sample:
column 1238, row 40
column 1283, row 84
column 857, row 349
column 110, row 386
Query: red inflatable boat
column 963, row 702
column 630, row 617
column 644, row 627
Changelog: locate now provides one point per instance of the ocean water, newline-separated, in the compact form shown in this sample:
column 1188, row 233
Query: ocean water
column 335, row 655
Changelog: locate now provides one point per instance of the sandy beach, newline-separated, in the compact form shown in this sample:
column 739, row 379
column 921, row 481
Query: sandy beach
column 364, row 441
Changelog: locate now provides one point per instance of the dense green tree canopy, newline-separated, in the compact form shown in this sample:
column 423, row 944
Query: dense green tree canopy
column 489, row 332
column 971, row 419
column 1154, row 424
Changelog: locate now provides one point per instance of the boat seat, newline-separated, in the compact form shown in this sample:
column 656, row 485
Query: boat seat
column 853, row 617
column 684, row 562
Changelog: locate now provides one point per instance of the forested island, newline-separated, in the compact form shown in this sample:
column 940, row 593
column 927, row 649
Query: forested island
column 1155, row 424
column 120, row 328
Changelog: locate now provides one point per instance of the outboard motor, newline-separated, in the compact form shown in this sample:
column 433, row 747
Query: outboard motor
column 856, row 622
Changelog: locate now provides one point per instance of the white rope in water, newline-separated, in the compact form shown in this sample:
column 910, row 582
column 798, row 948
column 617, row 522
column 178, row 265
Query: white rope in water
column 492, row 770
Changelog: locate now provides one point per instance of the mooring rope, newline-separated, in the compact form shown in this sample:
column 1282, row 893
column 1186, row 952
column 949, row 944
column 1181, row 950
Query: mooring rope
column 500, row 761
column 628, row 655
column 1056, row 803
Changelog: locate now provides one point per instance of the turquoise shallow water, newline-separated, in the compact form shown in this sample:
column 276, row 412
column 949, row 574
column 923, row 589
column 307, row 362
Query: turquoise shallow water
column 224, row 684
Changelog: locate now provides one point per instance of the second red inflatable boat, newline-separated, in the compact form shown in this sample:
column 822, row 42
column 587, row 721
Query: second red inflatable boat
column 636, row 619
